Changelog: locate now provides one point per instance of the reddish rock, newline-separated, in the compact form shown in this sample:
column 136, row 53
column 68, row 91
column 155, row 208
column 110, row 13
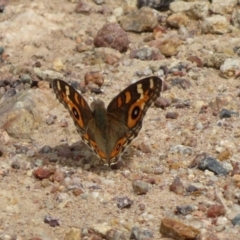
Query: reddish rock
column 195, row 59
column 177, row 186
column 216, row 211
column 42, row 173
column 113, row 36
column 95, row 77
column 58, row 176
column 178, row 230
column 77, row 191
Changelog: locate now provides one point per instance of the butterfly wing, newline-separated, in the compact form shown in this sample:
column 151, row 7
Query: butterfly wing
column 74, row 103
column 124, row 115
column 128, row 109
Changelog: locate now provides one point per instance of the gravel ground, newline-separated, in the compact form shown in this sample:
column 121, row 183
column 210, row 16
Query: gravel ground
column 179, row 179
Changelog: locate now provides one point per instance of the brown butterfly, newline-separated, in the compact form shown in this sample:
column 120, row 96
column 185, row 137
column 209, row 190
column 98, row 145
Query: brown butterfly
column 109, row 131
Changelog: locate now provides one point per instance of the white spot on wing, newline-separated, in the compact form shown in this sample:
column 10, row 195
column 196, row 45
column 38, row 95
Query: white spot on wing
column 67, row 91
column 58, row 86
column 140, row 90
column 151, row 83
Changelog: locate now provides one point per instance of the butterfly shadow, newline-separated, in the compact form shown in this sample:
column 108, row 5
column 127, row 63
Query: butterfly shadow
column 80, row 155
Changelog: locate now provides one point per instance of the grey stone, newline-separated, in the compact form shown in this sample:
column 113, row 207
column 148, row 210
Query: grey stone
column 212, row 165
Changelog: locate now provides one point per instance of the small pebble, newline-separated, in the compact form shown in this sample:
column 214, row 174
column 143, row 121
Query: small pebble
column 99, row 2
column 181, row 149
column 215, row 211
column 211, row 164
column 177, row 186
column 42, row 173
column 94, row 77
column 82, row 8
column 137, row 233
column 181, row 83
column 63, row 123
column 140, row 187
column 162, row 102
column 1, row 50
column 141, row 207
column 11, row 92
column 53, row 222
column 144, row 147
column 236, row 220
column 25, row 78
column 58, row 175
column 50, row 119
column 192, row 189
column 16, row 165
column 30, row 153
column 184, row 210
column 115, row 234
column 225, row 113
column 45, row 149
column 124, row 202
column 172, row 115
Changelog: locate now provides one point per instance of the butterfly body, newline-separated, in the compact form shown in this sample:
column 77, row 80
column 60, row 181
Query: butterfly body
column 108, row 131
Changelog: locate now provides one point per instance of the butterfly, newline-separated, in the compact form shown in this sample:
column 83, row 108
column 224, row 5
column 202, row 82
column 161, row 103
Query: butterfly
column 108, row 131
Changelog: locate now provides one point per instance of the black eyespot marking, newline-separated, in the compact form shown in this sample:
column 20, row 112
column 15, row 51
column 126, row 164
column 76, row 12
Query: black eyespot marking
column 75, row 112
column 135, row 112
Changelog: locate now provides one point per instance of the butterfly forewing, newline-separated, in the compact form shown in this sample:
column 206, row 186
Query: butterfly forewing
column 132, row 103
column 129, row 107
column 72, row 100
